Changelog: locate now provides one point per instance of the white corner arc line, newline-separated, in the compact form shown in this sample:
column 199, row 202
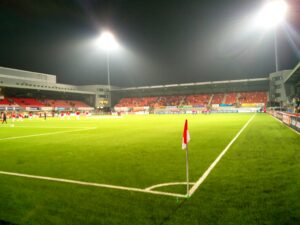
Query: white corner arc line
column 44, row 134
column 167, row 184
column 207, row 172
column 83, row 183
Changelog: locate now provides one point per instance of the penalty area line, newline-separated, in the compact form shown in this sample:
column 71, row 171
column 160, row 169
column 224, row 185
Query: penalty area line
column 207, row 172
column 83, row 183
column 44, row 134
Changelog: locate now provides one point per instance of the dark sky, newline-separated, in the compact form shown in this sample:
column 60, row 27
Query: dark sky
column 164, row 41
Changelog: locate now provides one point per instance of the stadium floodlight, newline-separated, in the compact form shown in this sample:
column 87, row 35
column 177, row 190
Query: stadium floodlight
column 272, row 14
column 108, row 42
column 269, row 17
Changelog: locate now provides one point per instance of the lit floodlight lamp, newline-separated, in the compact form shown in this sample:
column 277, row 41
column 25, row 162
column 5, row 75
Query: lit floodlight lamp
column 272, row 14
column 107, row 41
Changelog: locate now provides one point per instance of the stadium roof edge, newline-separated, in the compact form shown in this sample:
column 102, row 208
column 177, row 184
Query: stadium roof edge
column 294, row 72
column 26, row 71
column 192, row 84
column 49, row 89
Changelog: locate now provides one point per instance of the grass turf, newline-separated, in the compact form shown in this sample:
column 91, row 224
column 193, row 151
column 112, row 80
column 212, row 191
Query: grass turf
column 257, row 181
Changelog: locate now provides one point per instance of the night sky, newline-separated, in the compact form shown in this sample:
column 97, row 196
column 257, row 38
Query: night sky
column 164, row 41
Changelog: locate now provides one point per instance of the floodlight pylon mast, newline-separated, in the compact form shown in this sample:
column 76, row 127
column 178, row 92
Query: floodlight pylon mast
column 108, row 75
column 276, row 51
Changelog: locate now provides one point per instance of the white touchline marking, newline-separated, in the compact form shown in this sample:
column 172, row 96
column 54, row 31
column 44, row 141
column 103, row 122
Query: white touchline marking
column 43, row 134
column 167, row 184
column 92, row 184
column 207, row 172
column 285, row 125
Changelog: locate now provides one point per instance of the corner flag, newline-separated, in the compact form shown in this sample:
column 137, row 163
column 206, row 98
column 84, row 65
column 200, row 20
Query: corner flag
column 186, row 135
column 185, row 140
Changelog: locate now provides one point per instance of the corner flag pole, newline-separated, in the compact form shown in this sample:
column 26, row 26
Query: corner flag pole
column 187, row 171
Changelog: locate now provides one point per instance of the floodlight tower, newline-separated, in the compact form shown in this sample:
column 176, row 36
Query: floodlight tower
column 108, row 43
column 270, row 17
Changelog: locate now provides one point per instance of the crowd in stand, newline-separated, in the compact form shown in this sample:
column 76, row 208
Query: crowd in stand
column 250, row 97
column 233, row 98
column 32, row 102
column 217, row 99
column 137, row 102
column 197, row 99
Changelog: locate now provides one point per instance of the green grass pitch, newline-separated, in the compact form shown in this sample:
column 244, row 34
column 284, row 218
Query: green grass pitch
column 256, row 182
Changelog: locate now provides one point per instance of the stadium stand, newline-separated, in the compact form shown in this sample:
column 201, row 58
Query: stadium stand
column 197, row 99
column 200, row 99
column 31, row 102
column 137, row 102
column 6, row 101
column 78, row 104
column 217, row 98
column 253, row 97
column 28, row 102
column 230, row 98
column 170, row 101
column 64, row 103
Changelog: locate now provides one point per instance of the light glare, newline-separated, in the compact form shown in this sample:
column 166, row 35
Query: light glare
column 272, row 14
column 107, row 41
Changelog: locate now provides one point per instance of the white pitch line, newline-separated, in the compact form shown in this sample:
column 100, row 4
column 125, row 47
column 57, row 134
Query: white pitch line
column 167, row 184
column 43, row 134
column 92, row 184
column 207, row 172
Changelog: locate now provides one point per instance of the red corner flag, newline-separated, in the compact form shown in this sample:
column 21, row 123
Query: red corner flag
column 186, row 135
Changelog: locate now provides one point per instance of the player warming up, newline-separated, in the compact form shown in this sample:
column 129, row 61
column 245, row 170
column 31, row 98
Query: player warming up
column 3, row 116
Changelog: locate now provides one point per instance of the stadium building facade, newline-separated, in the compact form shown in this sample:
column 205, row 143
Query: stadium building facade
column 25, row 84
